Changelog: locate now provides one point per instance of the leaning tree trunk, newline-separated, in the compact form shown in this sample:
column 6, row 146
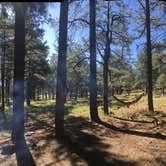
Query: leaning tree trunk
column 92, row 83
column 149, row 59
column 61, row 70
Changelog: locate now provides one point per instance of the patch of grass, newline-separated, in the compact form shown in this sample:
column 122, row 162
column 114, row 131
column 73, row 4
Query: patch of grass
column 137, row 111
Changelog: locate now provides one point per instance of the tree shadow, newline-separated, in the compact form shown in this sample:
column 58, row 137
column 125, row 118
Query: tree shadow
column 23, row 154
column 91, row 149
column 79, row 142
column 130, row 120
column 39, row 124
column 88, row 146
column 78, row 146
column 8, row 150
column 133, row 132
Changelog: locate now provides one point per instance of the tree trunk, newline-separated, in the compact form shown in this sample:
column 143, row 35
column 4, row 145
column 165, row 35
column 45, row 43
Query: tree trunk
column 149, row 59
column 29, row 86
column 76, row 93
column 3, row 75
column 53, row 94
column 42, row 93
column 106, row 59
column 38, row 95
column 18, row 82
column 105, row 78
column 7, row 92
column 61, row 70
column 71, row 94
column 46, row 95
column 92, row 83
column 163, row 91
column 105, row 67
column 49, row 94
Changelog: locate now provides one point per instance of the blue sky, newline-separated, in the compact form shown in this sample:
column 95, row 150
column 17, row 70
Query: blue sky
column 54, row 10
column 50, row 35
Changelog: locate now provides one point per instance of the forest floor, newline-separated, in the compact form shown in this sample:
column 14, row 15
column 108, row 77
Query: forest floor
column 124, row 138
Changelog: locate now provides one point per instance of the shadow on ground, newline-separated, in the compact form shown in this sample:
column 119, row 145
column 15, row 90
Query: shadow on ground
column 23, row 154
column 133, row 132
column 77, row 145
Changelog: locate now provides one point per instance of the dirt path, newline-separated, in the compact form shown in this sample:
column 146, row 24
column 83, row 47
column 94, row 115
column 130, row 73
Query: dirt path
column 115, row 142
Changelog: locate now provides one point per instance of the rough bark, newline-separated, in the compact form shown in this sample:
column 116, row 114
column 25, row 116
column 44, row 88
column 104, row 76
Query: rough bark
column 29, row 86
column 18, row 82
column 106, row 62
column 7, row 92
column 149, row 59
column 3, row 75
column 92, row 83
column 61, row 70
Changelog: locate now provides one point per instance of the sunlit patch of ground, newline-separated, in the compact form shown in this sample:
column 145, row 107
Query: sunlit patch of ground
column 139, row 110
column 116, row 142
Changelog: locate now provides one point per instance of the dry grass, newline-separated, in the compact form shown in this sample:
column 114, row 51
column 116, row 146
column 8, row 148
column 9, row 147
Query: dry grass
column 137, row 111
column 140, row 109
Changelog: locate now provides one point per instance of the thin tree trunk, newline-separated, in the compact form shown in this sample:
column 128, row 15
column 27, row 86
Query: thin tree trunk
column 53, row 94
column 29, row 86
column 106, row 60
column 3, row 74
column 105, row 67
column 92, row 83
column 7, row 92
column 61, row 70
column 76, row 93
column 46, row 95
column 149, row 60
column 105, row 93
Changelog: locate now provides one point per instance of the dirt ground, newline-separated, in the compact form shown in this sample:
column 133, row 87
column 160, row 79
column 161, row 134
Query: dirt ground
column 111, row 142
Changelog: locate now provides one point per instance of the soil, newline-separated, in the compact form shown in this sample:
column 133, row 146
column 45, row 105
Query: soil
column 111, row 142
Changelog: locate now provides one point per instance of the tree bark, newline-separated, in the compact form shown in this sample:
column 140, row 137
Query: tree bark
column 3, row 74
column 106, row 62
column 18, row 82
column 149, row 59
column 61, row 70
column 29, row 86
column 8, row 92
column 92, row 84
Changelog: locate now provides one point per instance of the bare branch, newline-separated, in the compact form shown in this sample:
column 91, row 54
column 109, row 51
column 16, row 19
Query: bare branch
column 140, row 2
column 79, row 19
column 99, row 51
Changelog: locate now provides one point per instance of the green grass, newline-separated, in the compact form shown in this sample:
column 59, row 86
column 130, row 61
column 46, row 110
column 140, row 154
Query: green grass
column 137, row 111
